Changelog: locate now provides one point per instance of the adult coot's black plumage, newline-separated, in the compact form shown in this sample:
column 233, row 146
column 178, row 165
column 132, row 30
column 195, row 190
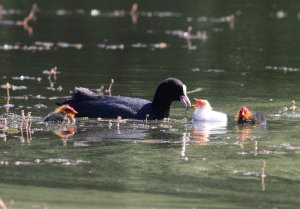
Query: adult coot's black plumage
column 92, row 105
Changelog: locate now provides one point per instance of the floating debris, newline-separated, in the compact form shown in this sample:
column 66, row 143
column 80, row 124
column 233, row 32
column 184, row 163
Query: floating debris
column 39, row 97
column 40, row 106
column 110, row 86
column 284, row 69
column 208, row 70
column 199, row 35
column 293, row 107
column 66, row 161
column 160, row 14
column 281, row 14
column 69, row 45
column 246, row 173
column 22, row 78
column 139, row 45
column 13, row 87
column 160, row 45
column 95, row 12
column 22, row 163
column 111, row 46
column 134, row 13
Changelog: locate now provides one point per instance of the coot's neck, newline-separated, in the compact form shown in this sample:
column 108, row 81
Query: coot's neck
column 161, row 104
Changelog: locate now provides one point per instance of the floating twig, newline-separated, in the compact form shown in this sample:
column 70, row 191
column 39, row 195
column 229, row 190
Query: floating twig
column 29, row 17
column 119, row 119
column 263, row 176
column 133, row 13
column 28, row 127
column 2, row 204
column 109, row 124
column 190, row 45
column 146, row 119
column 293, row 107
column 255, row 147
column 23, row 122
column 8, row 86
column 5, row 128
column 110, row 86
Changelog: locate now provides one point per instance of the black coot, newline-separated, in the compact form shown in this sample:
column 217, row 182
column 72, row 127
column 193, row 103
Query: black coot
column 93, row 105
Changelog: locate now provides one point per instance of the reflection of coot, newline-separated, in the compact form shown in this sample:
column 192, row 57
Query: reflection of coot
column 204, row 130
column 93, row 105
column 92, row 131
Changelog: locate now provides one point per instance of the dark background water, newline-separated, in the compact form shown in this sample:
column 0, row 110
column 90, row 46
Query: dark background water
column 251, row 60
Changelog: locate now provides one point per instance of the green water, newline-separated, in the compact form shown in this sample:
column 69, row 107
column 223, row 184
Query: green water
column 173, row 163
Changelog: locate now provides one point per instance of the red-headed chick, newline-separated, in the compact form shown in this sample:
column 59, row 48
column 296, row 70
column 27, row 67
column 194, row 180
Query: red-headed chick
column 62, row 113
column 246, row 117
column 204, row 113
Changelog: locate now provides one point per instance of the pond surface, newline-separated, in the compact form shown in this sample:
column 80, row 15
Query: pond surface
column 238, row 52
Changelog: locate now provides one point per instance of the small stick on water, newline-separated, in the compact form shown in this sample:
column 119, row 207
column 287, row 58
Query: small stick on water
column 146, row 119
column 133, row 13
column 263, row 176
column 255, row 147
column 293, row 107
column 110, row 86
column 134, row 9
column 110, row 124
column 118, row 122
column 5, row 124
column 53, row 73
column 2, row 204
column 29, row 17
column 119, row 119
column 28, row 127
column 8, row 86
column 5, row 127
column 29, row 120
column 23, row 122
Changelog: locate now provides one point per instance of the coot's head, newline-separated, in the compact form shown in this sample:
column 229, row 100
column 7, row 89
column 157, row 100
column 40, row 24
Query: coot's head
column 66, row 110
column 169, row 90
column 201, row 104
column 243, row 114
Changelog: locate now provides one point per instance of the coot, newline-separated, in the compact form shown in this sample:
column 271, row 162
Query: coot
column 93, row 105
column 246, row 117
column 62, row 113
column 204, row 113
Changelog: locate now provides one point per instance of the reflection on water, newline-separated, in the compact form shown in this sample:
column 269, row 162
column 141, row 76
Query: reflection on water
column 204, row 131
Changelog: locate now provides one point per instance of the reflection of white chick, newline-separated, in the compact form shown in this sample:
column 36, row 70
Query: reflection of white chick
column 204, row 113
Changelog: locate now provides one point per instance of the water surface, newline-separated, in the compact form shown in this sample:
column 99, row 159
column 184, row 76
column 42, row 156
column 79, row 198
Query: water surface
column 239, row 53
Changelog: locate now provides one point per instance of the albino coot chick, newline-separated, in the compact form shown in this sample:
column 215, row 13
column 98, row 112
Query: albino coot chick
column 204, row 113
column 93, row 105
column 246, row 117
